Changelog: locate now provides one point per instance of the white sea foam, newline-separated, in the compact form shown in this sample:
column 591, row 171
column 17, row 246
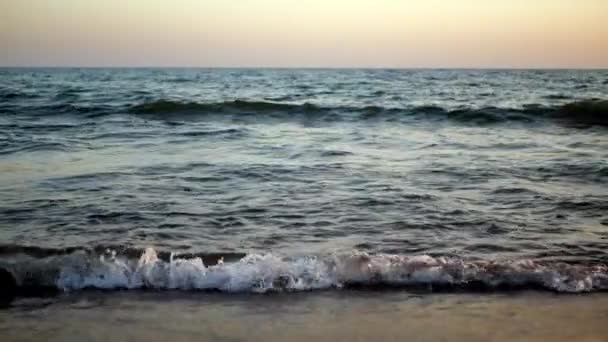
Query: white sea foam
column 255, row 273
column 266, row 272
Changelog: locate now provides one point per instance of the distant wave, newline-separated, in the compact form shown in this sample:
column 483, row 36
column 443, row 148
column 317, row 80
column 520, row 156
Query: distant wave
column 587, row 111
column 584, row 112
column 259, row 273
column 15, row 95
column 557, row 97
column 168, row 107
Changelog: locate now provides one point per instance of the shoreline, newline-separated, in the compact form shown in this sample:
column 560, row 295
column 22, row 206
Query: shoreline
column 324, row 316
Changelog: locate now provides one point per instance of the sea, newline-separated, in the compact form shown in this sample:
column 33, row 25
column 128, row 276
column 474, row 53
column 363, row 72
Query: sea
column 182, row 188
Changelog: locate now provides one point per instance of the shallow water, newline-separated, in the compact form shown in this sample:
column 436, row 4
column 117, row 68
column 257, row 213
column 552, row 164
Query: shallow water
column 482, row 170
column 329, row 316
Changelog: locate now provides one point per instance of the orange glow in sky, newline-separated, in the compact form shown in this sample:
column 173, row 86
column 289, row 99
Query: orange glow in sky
column 305, row 33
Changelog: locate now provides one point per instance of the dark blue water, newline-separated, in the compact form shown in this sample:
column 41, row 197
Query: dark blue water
column 479, row 171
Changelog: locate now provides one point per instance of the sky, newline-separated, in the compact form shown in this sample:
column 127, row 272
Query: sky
column 305, row 33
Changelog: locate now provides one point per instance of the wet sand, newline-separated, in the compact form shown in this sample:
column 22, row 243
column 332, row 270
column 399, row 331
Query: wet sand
column 321, row 316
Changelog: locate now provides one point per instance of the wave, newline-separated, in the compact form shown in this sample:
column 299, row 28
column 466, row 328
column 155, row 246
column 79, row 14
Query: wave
column 260, row 273
column 7, row 94
column 264, row 107
column 12, row 148
column 257, row 107
column 583, row 112
column 557, row 97
column 594, row 112
column 232, row 132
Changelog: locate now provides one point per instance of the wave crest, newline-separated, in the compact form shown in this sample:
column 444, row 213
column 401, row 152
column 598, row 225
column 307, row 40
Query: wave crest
column 168, row 107
column 593, row 112
column 261, row 273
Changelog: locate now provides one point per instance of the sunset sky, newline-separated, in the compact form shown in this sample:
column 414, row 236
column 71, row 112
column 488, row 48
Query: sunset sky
column 305, row 33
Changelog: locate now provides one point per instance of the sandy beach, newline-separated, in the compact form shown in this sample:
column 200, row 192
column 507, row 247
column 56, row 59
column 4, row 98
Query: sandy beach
column 322, row 316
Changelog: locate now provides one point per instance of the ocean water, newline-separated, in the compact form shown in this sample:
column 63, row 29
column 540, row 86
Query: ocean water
column 257, row 180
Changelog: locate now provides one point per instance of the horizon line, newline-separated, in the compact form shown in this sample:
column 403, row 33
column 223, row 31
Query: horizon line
column 296, row 67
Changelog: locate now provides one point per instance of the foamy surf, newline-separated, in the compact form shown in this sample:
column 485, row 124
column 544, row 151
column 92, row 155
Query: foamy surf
column 261, row 273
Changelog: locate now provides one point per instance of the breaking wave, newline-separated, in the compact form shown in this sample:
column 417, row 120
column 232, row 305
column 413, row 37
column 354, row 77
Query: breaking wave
column 260, row 273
